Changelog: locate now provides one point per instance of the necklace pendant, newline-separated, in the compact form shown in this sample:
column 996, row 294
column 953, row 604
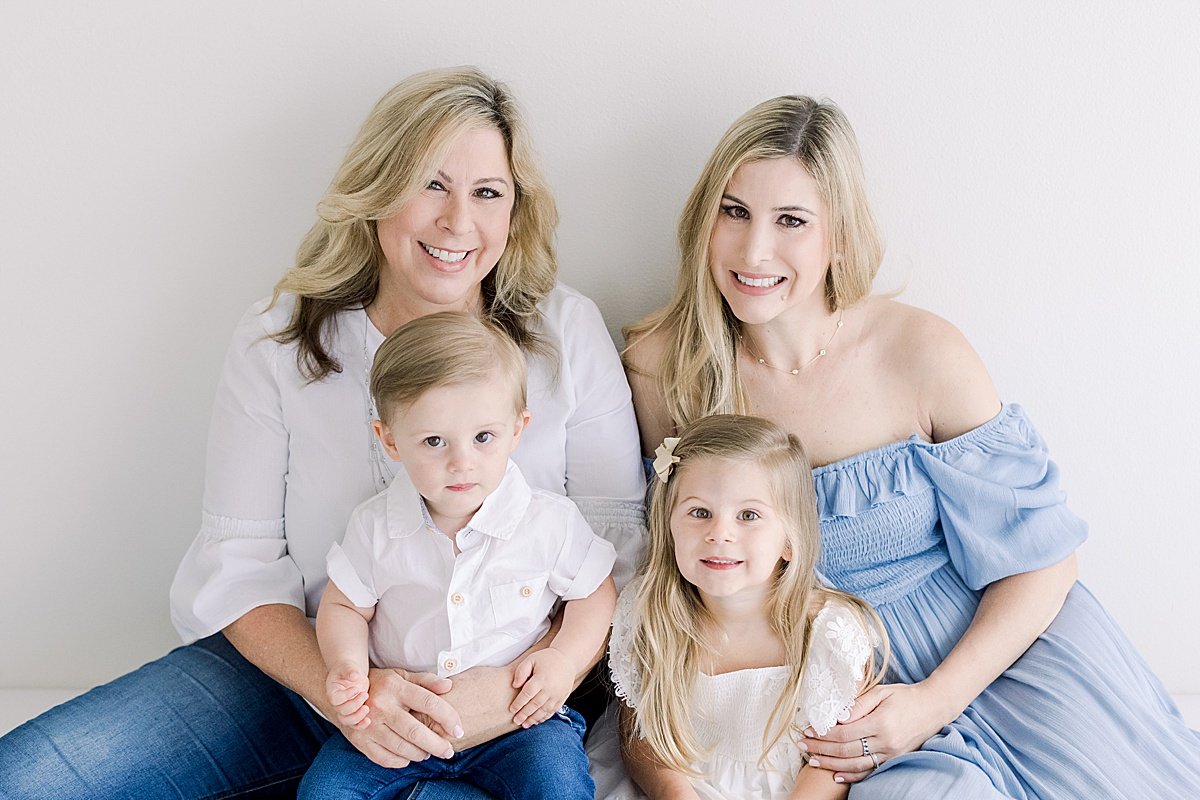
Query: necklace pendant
column 762, row 361
column 820, row 353
column 795, row 372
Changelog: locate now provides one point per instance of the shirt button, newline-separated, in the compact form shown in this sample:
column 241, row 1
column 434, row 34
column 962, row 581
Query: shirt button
column 457, row 599
column 450, row 663
column 526, row 591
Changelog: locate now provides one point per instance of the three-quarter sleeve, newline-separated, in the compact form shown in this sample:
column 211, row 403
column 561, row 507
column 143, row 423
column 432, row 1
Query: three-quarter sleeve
column 1001, row 507
column 239, row 560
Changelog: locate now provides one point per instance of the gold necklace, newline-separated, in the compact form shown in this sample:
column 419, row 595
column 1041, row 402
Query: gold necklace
column 820, row 353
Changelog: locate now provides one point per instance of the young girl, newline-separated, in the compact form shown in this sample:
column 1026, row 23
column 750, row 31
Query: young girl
column 457, row 564
column 728, row 647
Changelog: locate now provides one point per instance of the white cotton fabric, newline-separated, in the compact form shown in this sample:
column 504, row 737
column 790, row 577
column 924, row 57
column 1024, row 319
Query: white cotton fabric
column 289, row 460
column 730, row 711
column 437, row 612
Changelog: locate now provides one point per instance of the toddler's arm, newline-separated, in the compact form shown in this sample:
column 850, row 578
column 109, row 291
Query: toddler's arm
column 658, row 781
column 546, row 677
column 342, row 635
column 817, row 784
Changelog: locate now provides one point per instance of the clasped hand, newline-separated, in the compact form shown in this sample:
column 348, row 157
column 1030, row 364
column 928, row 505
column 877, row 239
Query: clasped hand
column 545, row 679
column 894, row 718
column 376, row 713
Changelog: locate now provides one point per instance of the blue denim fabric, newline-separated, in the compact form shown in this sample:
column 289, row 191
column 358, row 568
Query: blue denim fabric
column 200, row 722
column 545, row 761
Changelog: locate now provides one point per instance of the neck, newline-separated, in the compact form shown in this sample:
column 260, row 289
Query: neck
column 449, row 525
column 795, row 340
column 742, row 611
column 393, row 307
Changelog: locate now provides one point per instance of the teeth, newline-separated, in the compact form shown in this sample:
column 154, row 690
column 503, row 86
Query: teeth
column 449, row 256
column 758, row 282
column 721, row 560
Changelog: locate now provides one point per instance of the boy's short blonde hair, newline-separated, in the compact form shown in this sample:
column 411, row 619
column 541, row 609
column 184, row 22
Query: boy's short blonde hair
column 441, row 350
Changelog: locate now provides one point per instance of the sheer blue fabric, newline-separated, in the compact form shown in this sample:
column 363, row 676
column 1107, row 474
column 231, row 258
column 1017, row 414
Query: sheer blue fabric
column 918, row 530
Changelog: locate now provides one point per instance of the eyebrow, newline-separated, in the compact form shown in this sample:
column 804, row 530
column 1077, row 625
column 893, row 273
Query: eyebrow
column 448, row 179
column 728, row 196
column 748, row 501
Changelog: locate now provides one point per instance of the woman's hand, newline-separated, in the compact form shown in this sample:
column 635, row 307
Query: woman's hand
column 894, row 718
column 395, row 737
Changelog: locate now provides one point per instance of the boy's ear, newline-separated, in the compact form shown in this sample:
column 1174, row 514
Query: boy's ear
column 384, row 433
column 522, row 423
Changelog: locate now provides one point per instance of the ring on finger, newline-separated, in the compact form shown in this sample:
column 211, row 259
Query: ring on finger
column 867, row 752
column 874, row 761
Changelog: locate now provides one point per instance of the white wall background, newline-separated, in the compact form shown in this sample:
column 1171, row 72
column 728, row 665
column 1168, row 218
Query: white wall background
column 1036, row 170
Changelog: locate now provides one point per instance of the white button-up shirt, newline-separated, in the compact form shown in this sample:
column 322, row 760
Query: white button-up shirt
column 436, row 612
column 289, row 459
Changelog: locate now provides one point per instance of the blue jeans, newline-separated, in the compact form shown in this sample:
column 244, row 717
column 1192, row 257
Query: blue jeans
column 200, row 722
column 545, row 762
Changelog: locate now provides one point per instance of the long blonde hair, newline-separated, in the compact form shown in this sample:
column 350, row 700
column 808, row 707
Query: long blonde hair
column 699, row 374
column 405, row 137
column 669, row 643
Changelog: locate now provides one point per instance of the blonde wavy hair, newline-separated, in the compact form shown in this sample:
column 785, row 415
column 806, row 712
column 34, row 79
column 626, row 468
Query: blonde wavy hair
column 443, row 349
column 699, row 373
column 671, row 643
column 404, row 139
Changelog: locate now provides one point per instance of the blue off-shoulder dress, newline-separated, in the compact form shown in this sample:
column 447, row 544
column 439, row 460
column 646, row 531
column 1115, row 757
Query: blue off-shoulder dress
column 918, row 530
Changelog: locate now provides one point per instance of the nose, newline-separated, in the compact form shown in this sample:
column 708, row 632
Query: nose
column 456, row 218
column 757, row 245
column 462, row 459
column 720, row 530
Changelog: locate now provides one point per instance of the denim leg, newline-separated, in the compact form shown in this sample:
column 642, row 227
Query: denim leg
column 199, row 722
column 545, row 761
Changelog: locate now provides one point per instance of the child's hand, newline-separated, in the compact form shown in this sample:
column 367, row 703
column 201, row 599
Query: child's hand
column 346, row 687
column 547, row 680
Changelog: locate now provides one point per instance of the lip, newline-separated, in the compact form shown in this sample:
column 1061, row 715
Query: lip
column 754, row 291
column 462, row 487
column 441, row 266
column 722, row 565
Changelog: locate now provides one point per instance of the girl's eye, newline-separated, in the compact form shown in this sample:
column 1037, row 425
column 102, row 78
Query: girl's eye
column 699, row 513
column 488, row 193
column 735, row 211
column 748, row 515
column 483, row 437
column 435, row 186
column 433, row 441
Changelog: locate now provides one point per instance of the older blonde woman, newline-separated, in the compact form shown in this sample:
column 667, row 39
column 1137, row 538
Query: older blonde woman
column 938, row 504
column 438, row 206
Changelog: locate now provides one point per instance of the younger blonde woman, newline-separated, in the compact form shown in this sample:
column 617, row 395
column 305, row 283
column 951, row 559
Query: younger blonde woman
column 728, row 647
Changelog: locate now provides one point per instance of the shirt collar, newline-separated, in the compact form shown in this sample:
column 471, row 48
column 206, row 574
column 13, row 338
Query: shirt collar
column 498, row 517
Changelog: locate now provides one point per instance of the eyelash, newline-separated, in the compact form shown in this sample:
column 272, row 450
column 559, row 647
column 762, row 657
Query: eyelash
column 741, row 214
column 483, row 192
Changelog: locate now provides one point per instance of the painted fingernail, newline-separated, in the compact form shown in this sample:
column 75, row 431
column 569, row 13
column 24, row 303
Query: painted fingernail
column 449, row 753
column 802, row 747
column 838, row 779
column 458, row 732
column 809, row 732
column 816, row 762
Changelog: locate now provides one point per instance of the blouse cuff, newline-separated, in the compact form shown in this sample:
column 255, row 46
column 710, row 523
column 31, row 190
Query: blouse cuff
column 232, row 566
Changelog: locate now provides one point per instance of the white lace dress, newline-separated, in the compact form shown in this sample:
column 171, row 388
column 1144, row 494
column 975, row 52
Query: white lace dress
column 731, row 710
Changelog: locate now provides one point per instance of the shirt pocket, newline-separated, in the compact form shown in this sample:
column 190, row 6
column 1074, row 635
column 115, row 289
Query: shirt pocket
column 518, row 606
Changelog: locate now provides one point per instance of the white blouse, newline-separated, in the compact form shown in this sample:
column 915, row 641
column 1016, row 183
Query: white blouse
column 289, row 460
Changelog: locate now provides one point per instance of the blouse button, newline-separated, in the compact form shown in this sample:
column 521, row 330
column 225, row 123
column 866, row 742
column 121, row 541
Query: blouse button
column 526, row 591
column 456, row 598
column 450, row 663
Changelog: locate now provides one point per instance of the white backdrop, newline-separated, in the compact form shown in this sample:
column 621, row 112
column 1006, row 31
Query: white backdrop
column 1036, row 172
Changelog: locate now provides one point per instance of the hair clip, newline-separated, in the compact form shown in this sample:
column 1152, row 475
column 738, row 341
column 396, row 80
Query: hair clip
column 665, row 458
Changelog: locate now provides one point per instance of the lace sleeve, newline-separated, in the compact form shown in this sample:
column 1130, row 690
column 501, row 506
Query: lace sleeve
column 837, row 661
column 626, row 681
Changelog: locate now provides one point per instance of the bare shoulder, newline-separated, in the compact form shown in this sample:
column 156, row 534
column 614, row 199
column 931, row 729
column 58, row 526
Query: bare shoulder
column 643, row 360
column 953, row 388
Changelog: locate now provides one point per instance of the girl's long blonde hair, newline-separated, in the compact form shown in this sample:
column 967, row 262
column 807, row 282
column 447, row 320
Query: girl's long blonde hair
column 699, row 374
column 671, row 643
column 404, row 139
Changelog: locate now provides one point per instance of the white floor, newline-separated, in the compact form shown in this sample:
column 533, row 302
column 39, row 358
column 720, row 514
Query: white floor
column 18, row 705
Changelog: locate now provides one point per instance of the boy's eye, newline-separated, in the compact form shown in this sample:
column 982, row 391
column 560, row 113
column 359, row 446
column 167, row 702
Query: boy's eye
column 433, row 441
column 483, row 437
column 699, row 513
column 748, row 515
